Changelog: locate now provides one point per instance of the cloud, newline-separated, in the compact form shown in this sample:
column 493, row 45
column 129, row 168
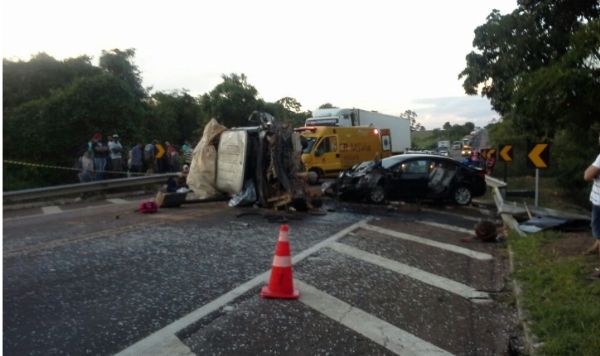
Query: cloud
column 434, row 112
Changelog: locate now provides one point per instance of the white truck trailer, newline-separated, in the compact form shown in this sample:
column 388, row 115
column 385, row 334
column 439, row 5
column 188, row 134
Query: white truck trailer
column 399, row 127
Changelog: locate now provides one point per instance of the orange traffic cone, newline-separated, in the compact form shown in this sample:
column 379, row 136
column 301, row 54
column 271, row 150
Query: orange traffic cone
column 281, row 284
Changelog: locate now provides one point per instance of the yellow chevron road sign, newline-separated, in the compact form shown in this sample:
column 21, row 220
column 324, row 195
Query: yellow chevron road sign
column 506, row 152
column 539, row 155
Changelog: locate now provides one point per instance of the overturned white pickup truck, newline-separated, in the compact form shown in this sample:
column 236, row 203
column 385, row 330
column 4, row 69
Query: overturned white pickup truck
column 258, row 164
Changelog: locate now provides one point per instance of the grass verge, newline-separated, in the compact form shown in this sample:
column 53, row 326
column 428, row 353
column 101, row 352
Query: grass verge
column 563, row 306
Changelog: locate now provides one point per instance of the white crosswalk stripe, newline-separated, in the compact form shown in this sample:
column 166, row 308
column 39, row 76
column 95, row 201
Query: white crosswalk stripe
column 448, row 227
column 51, row 209
column 412, row 272
column 448, row 247
column 377, row 330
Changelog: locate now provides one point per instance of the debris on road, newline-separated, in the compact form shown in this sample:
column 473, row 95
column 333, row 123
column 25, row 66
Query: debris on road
column 536, row 219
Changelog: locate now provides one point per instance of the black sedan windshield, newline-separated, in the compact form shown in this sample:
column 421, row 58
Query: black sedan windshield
column 390, row 161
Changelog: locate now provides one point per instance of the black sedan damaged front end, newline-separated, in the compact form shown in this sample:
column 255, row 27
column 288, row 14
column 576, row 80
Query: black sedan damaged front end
column 358, row 181
column 412, row 177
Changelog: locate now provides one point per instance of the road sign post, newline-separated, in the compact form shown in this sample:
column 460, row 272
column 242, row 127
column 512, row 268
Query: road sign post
column 539, row 157
column 537, row 186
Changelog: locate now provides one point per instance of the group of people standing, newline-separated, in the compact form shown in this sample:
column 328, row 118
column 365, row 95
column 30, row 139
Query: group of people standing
column 110, row 160
column 477, row 160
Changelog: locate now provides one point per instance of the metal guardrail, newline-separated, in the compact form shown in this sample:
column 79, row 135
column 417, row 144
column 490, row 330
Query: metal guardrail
column 69, row 189
column 497, row 186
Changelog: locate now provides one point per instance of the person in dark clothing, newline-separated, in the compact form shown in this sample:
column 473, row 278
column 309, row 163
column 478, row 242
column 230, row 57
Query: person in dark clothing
column 136, row 158
column 100, row 152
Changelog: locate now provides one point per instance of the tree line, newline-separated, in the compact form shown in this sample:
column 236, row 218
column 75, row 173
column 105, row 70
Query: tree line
column 540, row 68
column 52, row 107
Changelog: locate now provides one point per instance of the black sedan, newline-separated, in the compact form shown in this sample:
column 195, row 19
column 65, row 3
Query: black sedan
column 412, row 177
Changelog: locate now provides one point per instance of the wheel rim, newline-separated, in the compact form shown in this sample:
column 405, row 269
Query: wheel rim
column 377, row 195
column 462, row 196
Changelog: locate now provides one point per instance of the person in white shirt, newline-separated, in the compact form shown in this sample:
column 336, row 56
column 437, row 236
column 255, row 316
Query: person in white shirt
column 592, row 174
column 115, row 149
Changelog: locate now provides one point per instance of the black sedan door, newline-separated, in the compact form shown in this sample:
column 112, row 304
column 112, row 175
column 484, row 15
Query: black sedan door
column 442, row 178
column 410, row 179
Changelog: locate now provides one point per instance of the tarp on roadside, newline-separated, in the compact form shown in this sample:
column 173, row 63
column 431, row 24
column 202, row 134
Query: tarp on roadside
column 202, row 176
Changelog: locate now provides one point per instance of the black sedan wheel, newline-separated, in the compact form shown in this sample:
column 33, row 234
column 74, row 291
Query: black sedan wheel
column 377, row 194
column 462, row 195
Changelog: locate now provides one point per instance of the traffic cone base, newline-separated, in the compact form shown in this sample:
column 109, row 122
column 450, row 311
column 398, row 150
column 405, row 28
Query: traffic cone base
column 265, row 292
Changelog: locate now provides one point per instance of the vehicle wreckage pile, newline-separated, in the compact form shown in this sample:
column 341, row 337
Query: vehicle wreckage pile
column 253, row 165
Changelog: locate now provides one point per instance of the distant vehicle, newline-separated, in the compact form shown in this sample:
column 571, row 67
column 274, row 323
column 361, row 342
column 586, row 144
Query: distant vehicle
column 443, row 147
column 330, row 149
column 443, row 144
column 466, row 150
column 457, row 145
column 398, row 126
column 412, row 177
column 467, row 140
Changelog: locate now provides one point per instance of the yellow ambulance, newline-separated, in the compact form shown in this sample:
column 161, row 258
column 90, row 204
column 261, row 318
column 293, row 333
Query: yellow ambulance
column 328, row 150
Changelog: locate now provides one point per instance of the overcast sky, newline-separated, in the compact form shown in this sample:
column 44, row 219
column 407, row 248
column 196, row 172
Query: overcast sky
column 388, row 56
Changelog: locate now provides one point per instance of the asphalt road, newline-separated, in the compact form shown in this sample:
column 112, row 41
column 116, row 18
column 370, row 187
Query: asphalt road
column 99, row 278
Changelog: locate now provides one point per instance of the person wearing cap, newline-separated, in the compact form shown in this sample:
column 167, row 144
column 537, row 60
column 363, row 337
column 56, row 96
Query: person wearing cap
column 115, row 149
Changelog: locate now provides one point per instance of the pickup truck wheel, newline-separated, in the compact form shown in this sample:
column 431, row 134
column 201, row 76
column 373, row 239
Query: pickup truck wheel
column 377, row 194
column 462, row 195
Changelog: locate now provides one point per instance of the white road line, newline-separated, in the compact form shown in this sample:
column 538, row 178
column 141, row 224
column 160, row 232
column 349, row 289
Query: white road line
column 447, row 227
column 157, row 343
column 412, row 272
column 452, row 214
column 375, row 329
column 117, row 201
column 54, row 209
column 449, row 247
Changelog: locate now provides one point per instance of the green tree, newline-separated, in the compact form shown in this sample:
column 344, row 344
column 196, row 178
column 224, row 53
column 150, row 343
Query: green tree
column 412, row 117
column 38, row 77
column 55, row 129
column 120, row 64
column 175, row 117
column 290, row 104
column 447, row 126
column 469, row 126
column 232, row 101
column 287, row 110
column 327, row 106
column 535, row 59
